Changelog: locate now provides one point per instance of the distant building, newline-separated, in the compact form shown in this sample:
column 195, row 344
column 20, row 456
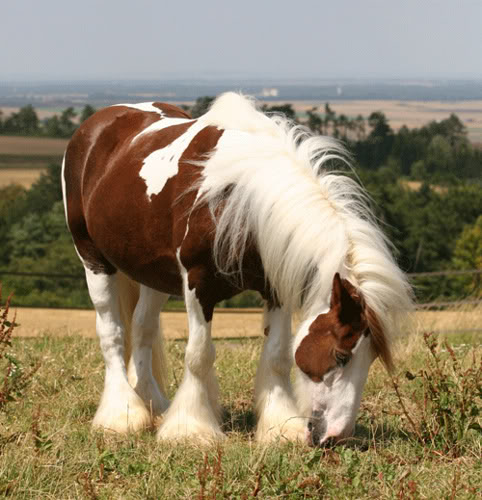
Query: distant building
column 272, row 92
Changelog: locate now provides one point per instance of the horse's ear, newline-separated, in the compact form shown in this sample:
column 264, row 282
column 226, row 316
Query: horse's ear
column 343, row 300
column 336, row 292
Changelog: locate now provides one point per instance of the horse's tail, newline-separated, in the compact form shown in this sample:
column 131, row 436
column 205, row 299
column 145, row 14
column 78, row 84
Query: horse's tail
column 128, row 298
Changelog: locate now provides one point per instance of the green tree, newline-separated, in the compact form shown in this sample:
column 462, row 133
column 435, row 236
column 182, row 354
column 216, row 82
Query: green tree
column 315, row 121
column 329, row 117
column 201, row 106
column 12, row 208
column 67, row 125
column 45, row 191
column 359, row 128
column 87, row 112
column 52, row 127
column 24, row 122
column 283, row 109
column 468, row 255
column 41, row 243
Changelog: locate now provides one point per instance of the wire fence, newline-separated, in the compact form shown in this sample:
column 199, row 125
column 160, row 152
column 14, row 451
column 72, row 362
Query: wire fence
column 466, row 321
column 423, row 306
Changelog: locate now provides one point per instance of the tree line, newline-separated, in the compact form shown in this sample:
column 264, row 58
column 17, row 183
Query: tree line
column 26, row 122
column 425, row 185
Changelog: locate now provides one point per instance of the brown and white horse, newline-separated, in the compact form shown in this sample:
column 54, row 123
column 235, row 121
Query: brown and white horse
column 159, row 204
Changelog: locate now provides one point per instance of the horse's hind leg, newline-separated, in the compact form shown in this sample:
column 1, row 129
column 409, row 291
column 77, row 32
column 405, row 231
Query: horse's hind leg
column 278, row 415
column 147, row 368
column 194, row 412
column 120, row 408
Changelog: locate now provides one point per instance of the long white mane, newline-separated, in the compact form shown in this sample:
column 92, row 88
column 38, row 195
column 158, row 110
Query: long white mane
column 268, row 180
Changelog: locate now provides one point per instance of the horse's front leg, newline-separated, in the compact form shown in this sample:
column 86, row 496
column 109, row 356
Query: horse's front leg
column 278, row 415
column 195, row 411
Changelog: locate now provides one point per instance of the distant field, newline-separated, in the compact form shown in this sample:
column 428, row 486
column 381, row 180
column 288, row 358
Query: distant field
column 32, row 146
column 413, row 114
column 23, row 176
column 22, row 159
column 35, row 154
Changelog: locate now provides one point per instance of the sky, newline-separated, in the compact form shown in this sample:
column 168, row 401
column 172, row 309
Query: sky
column 156, row 39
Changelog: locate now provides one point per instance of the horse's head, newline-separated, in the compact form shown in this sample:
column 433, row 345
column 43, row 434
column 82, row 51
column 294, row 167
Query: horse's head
column 334, row 352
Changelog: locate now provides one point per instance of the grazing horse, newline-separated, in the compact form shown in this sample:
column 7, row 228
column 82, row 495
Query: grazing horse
column 159, row 204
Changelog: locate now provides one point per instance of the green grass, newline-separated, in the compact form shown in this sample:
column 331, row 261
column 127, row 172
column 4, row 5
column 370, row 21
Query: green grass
column 48, row 450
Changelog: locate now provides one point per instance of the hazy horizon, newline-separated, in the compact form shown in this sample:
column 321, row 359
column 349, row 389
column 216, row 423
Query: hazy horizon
column 56, row 40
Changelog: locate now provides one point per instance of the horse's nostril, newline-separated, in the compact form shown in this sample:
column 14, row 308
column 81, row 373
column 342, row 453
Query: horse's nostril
column 310, row 426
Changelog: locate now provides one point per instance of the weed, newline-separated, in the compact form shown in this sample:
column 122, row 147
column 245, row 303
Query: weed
column 210, row 488
column 41, row 442
column 15, row 378
column 445, row 405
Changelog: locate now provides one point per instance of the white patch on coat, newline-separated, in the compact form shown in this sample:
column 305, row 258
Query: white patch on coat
column 143, row 106
column 163, row 163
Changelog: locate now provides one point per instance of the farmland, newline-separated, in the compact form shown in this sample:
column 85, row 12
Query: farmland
column 33, row 154
column 412, row 114
column 49, row 450
column 22, row 159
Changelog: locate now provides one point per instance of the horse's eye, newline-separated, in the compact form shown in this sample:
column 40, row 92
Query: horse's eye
column 342, row 358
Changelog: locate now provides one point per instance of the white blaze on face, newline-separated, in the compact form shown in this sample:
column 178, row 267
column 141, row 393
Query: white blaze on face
column 337, row 398
column 163, row 163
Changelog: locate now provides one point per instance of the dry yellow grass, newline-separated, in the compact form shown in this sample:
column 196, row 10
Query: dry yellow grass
column 23, row 176
column 60, row 322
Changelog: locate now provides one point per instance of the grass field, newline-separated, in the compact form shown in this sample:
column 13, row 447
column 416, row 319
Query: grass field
column 48, row 451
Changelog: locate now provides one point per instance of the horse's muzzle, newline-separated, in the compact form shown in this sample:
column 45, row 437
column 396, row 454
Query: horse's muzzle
column 316, row 428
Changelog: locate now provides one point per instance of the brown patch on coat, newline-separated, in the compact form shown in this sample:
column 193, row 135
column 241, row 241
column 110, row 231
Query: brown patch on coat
column 87, row 157
column 171, row 111
column 332, row 336
column 266, row 331
column 113, row 222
